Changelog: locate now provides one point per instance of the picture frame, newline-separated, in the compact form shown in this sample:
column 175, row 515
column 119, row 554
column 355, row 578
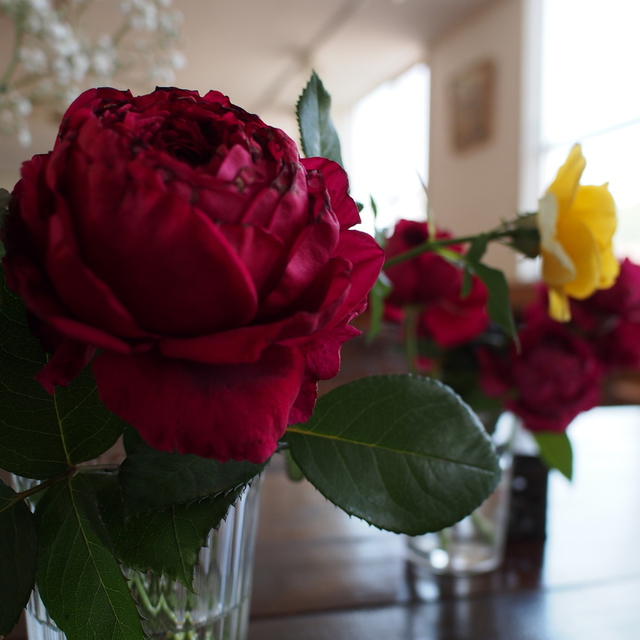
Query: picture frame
column 472, row 98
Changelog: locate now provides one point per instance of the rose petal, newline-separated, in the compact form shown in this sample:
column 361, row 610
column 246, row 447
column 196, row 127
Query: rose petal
column 262, row 254
column 367, row 259
column 79, row 289
column 33, row 199
column 281, row 209
column 581, row 246
column 423, row 279
column 27, row 281
column 337, row 183
column 221, row 412
column 565, row 185
column 455, row 320
column 305, row 402
column 312, row 250
column 316, row 310
column 67, row 361
column 236, row 346
column 322, row 354
column 150, row 275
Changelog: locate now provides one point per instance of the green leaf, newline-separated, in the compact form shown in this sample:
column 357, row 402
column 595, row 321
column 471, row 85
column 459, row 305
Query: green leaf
column 18, row 557
column 556, row 452
column 79, row 578
column 478, row 248
column 401, row 452
column 379, row 234
column 165, row 541
column 467, row 282
column 152, row 479
column 41, row 434
column 294, row 473
column 317, row 133
column 381, row 289
column 499, row 306
column 5, row 199
column 374, row 207
column 473, row 256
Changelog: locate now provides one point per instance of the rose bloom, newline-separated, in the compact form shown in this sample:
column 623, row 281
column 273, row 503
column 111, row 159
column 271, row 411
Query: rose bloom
column 455, row 319
column 611, row 319
column 576, row 225
column 214, row 269
column 549, row 381
column 434, row 284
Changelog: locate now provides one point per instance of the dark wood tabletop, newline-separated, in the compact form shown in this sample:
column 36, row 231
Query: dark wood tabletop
column 322, row 575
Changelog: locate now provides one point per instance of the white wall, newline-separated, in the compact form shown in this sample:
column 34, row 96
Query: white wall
column 473, row 190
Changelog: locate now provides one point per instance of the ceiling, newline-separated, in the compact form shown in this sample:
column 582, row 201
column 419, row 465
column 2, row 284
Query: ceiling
column 261, row 52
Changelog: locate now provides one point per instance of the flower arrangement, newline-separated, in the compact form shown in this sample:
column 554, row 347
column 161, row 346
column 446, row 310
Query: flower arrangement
column 443, row 313
column 55, row 55
column 559, row 369
column 582, row 324
column 177, row 275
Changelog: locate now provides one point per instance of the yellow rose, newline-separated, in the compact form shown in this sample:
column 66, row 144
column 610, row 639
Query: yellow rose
column 576, row 225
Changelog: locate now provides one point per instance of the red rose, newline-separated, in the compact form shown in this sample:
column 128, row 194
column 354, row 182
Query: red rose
column 554, row 377
column 430, row 281
column 424, row 279
column 453, row 319
column 621, row 299
column 213, row 268
column 611, row 319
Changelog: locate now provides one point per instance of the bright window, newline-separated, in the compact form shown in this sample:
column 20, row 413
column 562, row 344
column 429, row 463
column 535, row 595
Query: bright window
column 388, row 149
column 591, row 95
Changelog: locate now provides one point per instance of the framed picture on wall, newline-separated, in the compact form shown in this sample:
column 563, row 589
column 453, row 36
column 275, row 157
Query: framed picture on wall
column 472, row 105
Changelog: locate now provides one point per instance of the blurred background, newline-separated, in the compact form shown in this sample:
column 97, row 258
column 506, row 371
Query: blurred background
column 479, row 100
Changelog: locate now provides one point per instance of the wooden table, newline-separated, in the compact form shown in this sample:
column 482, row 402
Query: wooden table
column 322, row 575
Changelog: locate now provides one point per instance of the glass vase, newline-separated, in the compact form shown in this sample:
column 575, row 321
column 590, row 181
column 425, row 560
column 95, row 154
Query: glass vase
column 218, row 607
column 475, row 544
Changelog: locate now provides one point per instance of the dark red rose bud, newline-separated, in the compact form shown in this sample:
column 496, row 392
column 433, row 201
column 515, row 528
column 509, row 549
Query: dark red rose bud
column 549, row 381
column 435, row 285
column 609, row 320
column 425, row 278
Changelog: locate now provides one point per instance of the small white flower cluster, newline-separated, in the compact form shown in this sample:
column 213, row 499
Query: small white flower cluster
column 55, row 58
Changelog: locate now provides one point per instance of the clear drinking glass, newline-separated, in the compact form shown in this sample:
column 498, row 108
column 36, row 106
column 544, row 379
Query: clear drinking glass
column 218, row 609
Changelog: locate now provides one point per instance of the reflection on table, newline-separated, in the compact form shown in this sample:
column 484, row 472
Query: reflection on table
column 320, row 574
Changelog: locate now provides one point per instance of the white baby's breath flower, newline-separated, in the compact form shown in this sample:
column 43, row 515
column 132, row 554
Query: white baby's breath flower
column 177, row 59
column 58, row 56
column 22, row 106
column 40, row 6
column 34, row 59
column 169, row 23
column 34, row 22
column 24, row 134
column 14, row 109
column 69, row 94
column 103, row 63
column 162, row 74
